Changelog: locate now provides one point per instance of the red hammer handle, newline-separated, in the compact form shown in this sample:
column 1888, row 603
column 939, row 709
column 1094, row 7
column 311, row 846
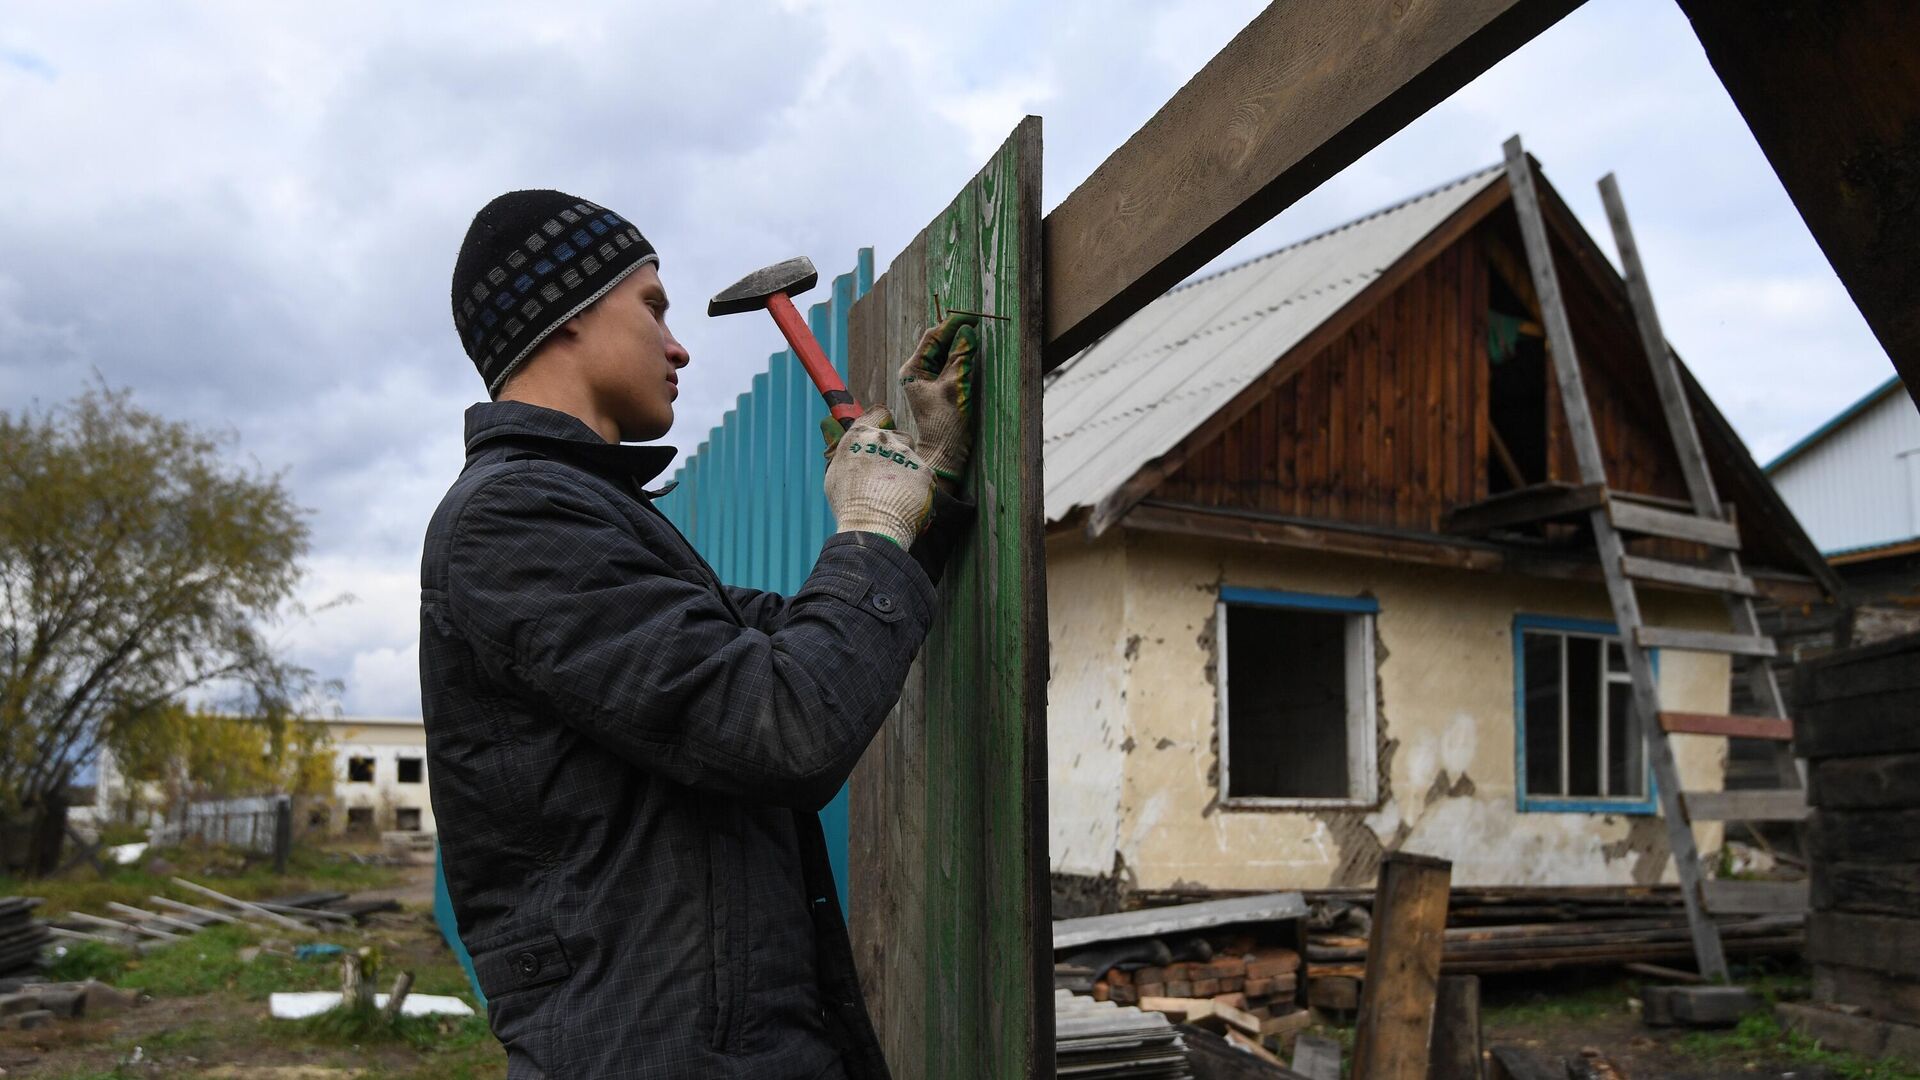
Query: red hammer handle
column 839, row 402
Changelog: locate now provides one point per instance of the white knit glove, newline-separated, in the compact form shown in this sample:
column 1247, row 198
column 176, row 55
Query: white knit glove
column 876, row 481
column 938, row 383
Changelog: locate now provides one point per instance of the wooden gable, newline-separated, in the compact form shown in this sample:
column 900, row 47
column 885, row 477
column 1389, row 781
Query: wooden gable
column 1399, row 419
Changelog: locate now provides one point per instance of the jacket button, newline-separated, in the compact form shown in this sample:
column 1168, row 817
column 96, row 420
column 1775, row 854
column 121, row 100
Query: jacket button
column 528, row 963
column 882, row 602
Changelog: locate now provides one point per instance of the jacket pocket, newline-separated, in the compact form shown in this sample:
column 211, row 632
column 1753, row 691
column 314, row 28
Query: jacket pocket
column 519, row 1012
column 727, row 922
column 522, row 965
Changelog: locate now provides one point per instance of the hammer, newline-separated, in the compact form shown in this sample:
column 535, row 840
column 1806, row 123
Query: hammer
column 769, row 288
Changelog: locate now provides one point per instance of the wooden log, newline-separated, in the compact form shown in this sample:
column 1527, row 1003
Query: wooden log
column 189, row 909
column 1856, row 727
column 1666, row 974
column 951, row 911
column 1877, row 782
column 305, row 912
column 1297, row 95
column 1876, row 942
column 144, row 916
column 1868, row 1037
column 1888, row 667
column 1403, row 968
column 1754, row 897
column 131, row 928
column 398, row 997
column 1456, row 1048
column 1870, row 888
column 1886, row 996
column 1865, row 836
column 1337, row 992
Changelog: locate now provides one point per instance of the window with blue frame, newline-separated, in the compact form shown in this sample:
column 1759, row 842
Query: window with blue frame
column 1579, row 745
column 1296, row 701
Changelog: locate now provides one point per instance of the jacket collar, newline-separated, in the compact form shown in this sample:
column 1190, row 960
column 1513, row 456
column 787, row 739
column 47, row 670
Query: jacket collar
column 562, row 435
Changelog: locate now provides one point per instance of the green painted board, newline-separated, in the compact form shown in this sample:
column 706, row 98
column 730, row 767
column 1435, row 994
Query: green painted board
column 949, row 895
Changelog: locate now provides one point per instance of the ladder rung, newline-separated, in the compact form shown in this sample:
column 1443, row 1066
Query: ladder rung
column 1662, row 637
column 1737, row 727
column 1687, row 577
column 1634, row 518
column 1754, row 897
column 1785, row 805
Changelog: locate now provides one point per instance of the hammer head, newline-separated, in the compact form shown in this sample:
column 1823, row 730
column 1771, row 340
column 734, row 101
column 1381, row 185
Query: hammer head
column 750, row 293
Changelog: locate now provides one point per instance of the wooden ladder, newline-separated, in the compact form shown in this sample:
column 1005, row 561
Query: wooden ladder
column 1708, row 524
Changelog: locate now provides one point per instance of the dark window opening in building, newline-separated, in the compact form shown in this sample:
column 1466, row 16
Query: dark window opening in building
column 407, row 818
column 360, row 820
column 1297, row 721
column 360, row 770
column 1578, row 734
column 1516, row 393
column 409, row 770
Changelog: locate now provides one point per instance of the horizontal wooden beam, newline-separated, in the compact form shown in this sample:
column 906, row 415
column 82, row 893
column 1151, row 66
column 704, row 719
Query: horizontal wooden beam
column 1662, row 637
column 1746, row 805
column 1735, row 727
column 1754, row 897
column 1648, row 521
column 1526, row 506
column 1299, row 94
column 1683, row 576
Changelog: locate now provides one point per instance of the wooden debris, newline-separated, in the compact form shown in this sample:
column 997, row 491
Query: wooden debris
column 1316, row 1057
column 398, row 996
column 1521, row 1063
column 1697, row 1006
column 1456, row 1053
column 1403, row 968
column 272, row 917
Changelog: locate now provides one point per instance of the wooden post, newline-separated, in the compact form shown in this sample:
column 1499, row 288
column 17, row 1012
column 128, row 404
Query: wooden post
column 1395, row 1024
column 395, row 1000
column 282, row 832
column 951, row 919
column 1456, row 1030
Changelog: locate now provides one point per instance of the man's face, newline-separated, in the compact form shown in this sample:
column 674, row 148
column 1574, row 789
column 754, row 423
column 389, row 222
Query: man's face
column 630, row 359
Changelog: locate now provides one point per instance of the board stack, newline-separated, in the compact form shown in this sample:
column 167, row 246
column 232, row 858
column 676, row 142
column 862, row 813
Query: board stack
column 22, row 937
column 1856, row 719
column 1099, row 1039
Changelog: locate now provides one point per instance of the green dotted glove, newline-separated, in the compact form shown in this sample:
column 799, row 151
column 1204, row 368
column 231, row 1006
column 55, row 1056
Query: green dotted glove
column 938, row 382
column 876, row 482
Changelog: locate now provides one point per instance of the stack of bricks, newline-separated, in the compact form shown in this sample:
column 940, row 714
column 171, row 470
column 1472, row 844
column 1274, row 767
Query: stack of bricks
column 1856, row 720
column 1252, row 992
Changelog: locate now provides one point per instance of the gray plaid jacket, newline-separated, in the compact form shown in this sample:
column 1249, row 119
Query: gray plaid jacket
column 627, row 757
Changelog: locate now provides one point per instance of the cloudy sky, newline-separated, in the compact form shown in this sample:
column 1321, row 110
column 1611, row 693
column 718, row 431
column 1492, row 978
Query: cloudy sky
column 247, row 213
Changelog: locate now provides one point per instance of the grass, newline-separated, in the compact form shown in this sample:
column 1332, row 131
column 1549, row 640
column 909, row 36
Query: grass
column 1761, row 1037
column 1515, row 1007
column 308, row 868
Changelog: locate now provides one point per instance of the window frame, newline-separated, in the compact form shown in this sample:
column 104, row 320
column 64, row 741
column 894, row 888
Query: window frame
column 373, row 768
column 1526, row 802
column 1363, row 706
column 400, row 770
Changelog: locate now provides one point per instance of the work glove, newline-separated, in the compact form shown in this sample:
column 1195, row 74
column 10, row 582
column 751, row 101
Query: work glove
column 938, row 382
column 876, row 481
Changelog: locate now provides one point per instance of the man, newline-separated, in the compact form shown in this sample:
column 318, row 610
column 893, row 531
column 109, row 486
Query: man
column 627, row 755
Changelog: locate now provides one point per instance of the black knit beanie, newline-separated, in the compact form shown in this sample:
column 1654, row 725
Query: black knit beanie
column 531, row 261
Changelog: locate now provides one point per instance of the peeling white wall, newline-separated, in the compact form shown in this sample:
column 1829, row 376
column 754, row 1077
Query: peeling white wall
column 1445, row 668
column 1086, row 701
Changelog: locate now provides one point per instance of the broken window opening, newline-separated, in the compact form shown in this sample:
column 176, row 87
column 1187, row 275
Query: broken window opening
column 360, row 770
column 360, row 820
column 1580, row 745
column 406, row 818
column 1296, row 699
column 1516, row 391
column 409, row 770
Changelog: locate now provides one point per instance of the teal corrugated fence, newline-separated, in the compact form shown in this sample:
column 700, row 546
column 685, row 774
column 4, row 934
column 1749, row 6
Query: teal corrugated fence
column 750, row 497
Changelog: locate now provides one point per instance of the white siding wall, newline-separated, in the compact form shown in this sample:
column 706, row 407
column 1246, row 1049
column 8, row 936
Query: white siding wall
column 1860, row 485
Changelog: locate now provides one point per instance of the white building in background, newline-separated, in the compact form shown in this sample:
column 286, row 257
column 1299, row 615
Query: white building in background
column 1855, row 481
column 380, row 775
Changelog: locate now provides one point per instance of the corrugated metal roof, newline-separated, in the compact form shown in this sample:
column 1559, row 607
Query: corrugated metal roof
column 1134, row 394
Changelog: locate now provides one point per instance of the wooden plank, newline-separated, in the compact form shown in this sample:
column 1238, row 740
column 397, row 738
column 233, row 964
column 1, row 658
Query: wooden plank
column 1866, row 836
column 1880, row 943
column 1874, row 724
column 1526, row 506
column 1667, row 637
column 1456, row 1052
column 1870, row 1038
column 949, row 861
column 1832, row 95
column 1317, row 1057
column 1523, row 1063
column 1153, row 922
column 1652, row 521
column 1888, row 667
column 1734, row 727
column 1881, row 781
column 1869, row 888
column 1881, row 995
column 1395, row 1021
column 1746, row 805
column 1300, row 93
column 1683, row 576
column 1754, row 897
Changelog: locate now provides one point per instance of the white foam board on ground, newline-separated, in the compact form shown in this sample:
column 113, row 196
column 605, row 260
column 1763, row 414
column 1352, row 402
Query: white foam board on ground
column 299, row 1005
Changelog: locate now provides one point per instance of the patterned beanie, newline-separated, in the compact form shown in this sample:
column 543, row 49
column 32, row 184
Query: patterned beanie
column 531, row 261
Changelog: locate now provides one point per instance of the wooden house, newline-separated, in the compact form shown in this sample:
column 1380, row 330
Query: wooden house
column 1295, row 622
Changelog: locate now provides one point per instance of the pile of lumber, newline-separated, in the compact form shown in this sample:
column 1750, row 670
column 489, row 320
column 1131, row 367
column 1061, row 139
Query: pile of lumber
column 1098, row 1039
column 1504, row 930
column 1855, row 721
column 22, row 936
column 165, row 920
